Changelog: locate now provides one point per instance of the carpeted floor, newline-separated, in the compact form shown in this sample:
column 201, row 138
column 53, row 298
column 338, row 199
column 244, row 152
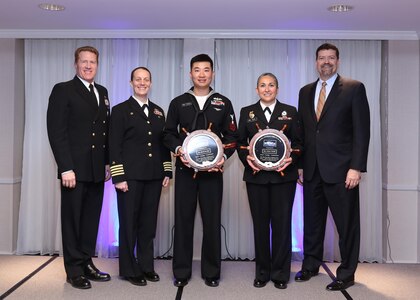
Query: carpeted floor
column 43, row 277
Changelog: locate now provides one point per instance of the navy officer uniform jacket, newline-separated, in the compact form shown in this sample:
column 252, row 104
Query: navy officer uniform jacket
column 283, row 117
column 136, row 143
column 78, row 130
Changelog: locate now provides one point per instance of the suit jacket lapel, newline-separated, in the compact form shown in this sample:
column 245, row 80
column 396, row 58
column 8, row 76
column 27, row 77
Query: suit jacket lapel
column 332, row 96
column 86, row 96
column 311, row 101
column 261, row 119
column 102, row 105
column 136, row 107
column 276, row 112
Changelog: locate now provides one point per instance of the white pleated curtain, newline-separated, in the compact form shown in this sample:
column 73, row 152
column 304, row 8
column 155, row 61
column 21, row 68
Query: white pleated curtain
column 238, row 63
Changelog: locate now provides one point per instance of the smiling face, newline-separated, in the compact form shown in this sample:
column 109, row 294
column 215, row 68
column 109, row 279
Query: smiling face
column 141, row 83
column 327, row 63
column 267, row 89
column 86, row 66
column 201, row 74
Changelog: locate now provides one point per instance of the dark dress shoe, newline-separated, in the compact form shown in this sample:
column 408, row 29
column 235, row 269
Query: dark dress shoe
column 280, row 284
column 137, row 280
column 259, row 283
column 180, row 282
column 79, row 282
column 151, row 276
column 304, row 275
column 92, row 273
column 212, row 282
column 339, row 285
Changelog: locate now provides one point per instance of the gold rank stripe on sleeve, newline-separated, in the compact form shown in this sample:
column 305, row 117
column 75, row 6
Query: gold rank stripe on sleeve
column 167, row 166
column 117, row 170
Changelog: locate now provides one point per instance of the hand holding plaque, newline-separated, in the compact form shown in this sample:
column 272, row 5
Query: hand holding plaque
column 270, row 150
column 202, row 149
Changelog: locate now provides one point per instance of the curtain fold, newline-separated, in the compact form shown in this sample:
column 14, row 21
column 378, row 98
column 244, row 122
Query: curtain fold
column 238, row 63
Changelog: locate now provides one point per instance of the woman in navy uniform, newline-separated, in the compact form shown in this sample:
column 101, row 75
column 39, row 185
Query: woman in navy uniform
column 140, row 166
column 270, row 193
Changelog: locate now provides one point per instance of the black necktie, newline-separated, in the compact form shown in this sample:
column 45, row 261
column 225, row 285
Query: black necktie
column 267, row 109
column 146, row 109
column 267, row 113
column 92, row 94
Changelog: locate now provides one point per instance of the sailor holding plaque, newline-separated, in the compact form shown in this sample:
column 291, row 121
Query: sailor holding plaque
column 270, row 191
column 192, row 111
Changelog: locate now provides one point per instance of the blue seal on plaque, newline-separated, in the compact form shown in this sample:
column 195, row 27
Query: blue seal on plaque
column 269, row 147
column 203, row 149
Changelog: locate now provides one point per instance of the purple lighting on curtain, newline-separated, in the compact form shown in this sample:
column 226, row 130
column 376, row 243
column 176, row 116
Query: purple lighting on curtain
column 297, row 221
column 107, row 241
column 107, row 244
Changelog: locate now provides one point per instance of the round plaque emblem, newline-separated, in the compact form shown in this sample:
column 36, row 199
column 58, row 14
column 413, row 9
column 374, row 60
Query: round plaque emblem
column 269, row 147
column 203, row 149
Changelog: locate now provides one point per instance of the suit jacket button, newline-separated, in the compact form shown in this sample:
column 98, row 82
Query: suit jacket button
column 149, row 144
column 150, row 133
column 93, row 146
column 150, row 154
column 148, row 122
column 93, row 134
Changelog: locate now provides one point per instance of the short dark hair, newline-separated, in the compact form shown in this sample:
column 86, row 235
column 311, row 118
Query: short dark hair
column 270, row 75
column 200, row 58
column 328, row 46
column 141, row 68
column 86, row 48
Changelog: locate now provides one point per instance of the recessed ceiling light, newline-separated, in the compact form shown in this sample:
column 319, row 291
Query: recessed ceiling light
column 340, row 8
column 51, row 7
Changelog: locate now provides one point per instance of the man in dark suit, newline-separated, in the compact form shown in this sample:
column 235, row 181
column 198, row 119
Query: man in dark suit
column 335, row 119
column 77, row 124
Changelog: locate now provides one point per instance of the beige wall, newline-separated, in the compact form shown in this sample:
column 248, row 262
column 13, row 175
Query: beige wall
column 11, row 133
column 401, row 144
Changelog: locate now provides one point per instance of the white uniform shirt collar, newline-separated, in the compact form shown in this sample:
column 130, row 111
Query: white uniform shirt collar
column 140, row 102
column 87, row 83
